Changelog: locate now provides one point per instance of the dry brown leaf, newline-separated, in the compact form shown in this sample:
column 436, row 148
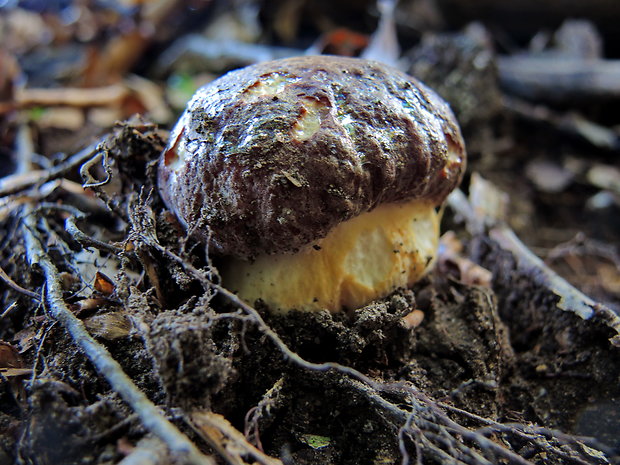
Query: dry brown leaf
column 413, row 319
column 104, row 284
column 111, row 95
column 450, row 259
column 110, row 326
column 9, row 356
column 229, row 442
column 609, row 277
column 90, row 304
column 25, row 338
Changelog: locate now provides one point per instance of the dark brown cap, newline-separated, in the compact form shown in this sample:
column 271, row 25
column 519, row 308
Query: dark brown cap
column 271, row 157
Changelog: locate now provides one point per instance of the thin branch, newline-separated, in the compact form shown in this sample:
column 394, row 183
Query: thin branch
column 571, row 299
column 14, row 184
column 8, row 310
column 85, row 240
column 148, row 451
column 7, row 279
column 111, row 95
column 150, row 415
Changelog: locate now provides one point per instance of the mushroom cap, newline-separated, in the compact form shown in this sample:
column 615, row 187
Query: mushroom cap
column 270, row 158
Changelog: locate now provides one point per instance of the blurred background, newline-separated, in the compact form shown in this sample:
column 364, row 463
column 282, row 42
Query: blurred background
column 535, row 86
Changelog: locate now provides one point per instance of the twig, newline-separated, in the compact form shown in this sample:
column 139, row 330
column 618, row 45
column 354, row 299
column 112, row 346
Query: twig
column 571, row 299
column 87, row 241
column 89, row 180
column 7, row 310
column 73, row 97
column 96, row 185
column 570, row 123
column 560, row 78
column 76, row 233
column 229, row 442
column 25, row 148
column 7, row 279
column 14, row 184
column 148, row 451
column 150, row 415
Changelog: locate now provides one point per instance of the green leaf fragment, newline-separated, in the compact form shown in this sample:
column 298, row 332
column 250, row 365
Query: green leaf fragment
column 315, row 441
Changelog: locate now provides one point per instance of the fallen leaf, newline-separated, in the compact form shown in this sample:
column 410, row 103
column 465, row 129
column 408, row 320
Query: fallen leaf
column 451, row 261
column 113, row 325
column 9, row 356
column 315, row 441
column 228, row 441
column 104, row 284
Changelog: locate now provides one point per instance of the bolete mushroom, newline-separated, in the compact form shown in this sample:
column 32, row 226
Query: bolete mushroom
column 318, row 177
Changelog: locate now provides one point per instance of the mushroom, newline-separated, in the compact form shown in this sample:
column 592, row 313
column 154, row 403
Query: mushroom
column 318, row 178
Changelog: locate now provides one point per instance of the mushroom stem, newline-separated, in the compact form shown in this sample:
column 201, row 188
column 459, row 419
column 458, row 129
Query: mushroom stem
column 360, row 260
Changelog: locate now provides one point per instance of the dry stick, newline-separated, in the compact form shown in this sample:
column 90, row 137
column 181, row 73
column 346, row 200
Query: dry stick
column 573, row 124
column 483, row 441
column 76, row 233
column 148, row 451
column 150, row 415
column 89, row 180
column 85, row 240
column 24, row 148
column 9, row 187
column 7, row 279
column 571, row 299
column 8, row 310
column 73, row 96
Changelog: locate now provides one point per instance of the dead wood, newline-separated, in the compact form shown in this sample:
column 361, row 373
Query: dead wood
column 485, row 216
column 559, row 79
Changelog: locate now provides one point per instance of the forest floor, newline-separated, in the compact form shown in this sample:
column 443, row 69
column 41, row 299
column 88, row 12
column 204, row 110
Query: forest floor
column 118, row 344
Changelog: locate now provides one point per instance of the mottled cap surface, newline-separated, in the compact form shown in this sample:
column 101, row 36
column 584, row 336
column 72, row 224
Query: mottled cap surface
column 269, row 158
